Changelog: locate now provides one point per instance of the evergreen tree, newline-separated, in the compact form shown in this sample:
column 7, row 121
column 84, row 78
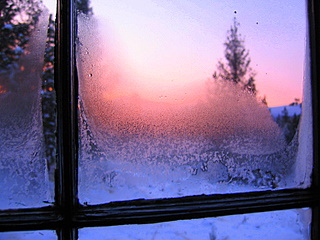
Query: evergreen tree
column 48, row 99
column 236, row 69
column 83, row 7
column 288, row 124
column 17, row 20
column 264, row 100
column 48, row 93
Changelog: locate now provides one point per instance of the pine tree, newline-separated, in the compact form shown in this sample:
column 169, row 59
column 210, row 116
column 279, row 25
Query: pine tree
column 48, row 100
column 236, row 69
column 288, row 124
column 83, row 7
column 17, row 20
column 264, row 100
column 48, row 94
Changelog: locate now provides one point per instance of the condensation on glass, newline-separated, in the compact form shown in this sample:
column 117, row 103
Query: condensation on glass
column 29, row 235
column 27, row 105
column 284, row 225
column 156, row 122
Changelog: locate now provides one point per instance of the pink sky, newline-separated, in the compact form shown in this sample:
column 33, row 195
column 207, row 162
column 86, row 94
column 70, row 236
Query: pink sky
column 164, row 47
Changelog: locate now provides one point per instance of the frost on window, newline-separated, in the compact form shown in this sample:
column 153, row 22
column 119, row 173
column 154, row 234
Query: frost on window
column 284, row 225
column 26, row 105
column 192, row 97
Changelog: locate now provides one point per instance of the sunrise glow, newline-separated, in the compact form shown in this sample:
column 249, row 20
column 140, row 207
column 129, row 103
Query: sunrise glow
column 165, row 46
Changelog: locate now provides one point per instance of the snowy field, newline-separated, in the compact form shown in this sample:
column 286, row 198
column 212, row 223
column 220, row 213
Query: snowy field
column 277, row 225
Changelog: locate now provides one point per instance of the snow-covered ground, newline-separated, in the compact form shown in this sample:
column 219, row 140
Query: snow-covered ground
column 277, row 225
column 29, row 235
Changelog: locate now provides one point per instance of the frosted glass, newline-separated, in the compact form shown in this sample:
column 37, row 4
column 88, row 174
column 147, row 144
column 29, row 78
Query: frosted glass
column 31, row 235
column 277, row 225
column 24, row 178
column 156, row 119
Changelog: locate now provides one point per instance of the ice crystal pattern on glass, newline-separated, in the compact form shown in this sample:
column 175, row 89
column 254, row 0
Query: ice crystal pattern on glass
column 214, row 138
column 23, row 171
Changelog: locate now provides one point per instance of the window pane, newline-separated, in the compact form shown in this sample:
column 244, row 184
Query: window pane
column 27, row 105
column 36, row 235
column 284, row 225
column 193, row 97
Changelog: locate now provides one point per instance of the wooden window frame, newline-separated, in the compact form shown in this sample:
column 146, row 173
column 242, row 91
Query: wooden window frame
column 68, row 215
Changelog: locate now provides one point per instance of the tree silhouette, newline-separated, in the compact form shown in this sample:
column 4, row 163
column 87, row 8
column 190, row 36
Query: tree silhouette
column 48, row 94
column 83, row 7
column 48, row 100
column 288, row 124
column 237, row 67
column 17, row 20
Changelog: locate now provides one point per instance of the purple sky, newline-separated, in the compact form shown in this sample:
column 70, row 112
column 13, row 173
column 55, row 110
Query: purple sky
column 169, row 45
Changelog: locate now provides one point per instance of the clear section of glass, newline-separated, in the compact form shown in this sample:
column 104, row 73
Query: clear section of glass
column 192, row 97
column 284, row 225
column 27, row 105
column 32, row 235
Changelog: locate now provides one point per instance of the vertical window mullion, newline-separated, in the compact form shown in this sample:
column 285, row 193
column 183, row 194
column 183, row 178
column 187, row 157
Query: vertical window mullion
column 314, row 36
column 67, row 126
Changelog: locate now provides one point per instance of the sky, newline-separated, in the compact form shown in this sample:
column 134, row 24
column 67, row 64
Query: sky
column 170, row 47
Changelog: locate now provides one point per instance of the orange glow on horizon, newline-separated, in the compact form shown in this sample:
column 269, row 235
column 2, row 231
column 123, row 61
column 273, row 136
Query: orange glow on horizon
column 222, row 116
column 165, row 52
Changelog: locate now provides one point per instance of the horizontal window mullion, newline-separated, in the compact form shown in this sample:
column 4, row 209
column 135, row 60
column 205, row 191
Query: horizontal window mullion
column 30, row 219
column 161, row 210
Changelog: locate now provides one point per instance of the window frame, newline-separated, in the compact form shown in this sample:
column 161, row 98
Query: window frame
column 67, row 215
